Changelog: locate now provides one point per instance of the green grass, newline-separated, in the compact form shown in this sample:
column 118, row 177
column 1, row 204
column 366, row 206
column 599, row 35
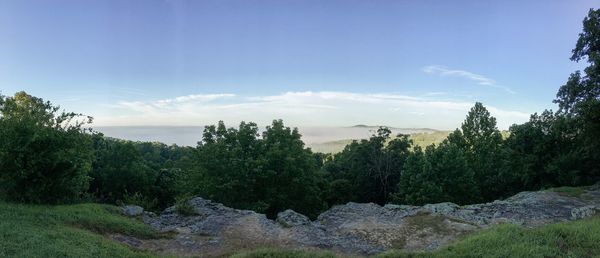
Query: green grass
column 330, row 147
column 567, row 239
column 67, row 231
column 426, row 139
column 420, row 139
column 423, row 139
column 278, row 253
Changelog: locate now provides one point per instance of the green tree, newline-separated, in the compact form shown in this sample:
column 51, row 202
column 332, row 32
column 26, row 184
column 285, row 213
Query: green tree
column 369, row 170
column 485, row 153
column 228, row 166
column 293, row 178
column 418, row 184
column 119, row 172
column 540, row 154
column 440, row 174
column 45, row 154
column 268, row 174
column 579, row 98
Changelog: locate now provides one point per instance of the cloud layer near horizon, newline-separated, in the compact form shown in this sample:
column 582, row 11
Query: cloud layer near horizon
column 308, row 108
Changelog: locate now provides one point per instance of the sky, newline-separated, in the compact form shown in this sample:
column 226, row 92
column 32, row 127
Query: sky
column 310, row 63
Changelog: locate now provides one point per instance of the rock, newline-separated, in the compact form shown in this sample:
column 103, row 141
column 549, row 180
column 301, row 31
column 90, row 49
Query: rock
column 595, row 187
column 583, row 212
column 290, row 218
column 443, row 208
column 355, row 229
column 128, row 240
column 132, row 210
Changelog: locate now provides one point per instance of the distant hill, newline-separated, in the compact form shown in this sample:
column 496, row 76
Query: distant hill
column 395, row 128
column 421, row 137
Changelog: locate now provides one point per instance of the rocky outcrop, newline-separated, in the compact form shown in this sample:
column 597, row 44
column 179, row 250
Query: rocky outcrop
column 354, row 228
column 290, row 218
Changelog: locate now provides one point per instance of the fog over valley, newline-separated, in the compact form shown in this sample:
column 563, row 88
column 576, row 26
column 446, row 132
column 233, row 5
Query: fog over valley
column 190, row 135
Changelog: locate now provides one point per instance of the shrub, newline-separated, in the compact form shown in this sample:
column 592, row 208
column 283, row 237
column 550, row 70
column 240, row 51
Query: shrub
column 45, row 156
column 183, row 207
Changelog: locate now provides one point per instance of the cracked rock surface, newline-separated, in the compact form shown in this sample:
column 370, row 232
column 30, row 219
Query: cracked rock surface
column 354, row 228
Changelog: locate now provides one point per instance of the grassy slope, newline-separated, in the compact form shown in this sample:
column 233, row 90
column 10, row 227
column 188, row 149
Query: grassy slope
column 568, row 239
column 66, row 231
column 419, row 139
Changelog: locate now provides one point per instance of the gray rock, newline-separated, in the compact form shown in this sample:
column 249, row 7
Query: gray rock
column 290, row 218
column 443, row 208
column 132, row 210
column 583, row 212
column 359, row 229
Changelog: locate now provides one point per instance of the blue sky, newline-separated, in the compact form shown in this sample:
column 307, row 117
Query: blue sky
column 317, row 63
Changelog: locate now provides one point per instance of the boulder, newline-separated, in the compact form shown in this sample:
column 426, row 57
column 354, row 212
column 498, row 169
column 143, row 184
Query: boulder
column 132, row 210
column 290, row 218
column 443, row 208
column 583, row 212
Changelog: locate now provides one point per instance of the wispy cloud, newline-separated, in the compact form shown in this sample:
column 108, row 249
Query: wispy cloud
column 193, row 98
column 172, row 103
column 477, row 78
column 306, row 108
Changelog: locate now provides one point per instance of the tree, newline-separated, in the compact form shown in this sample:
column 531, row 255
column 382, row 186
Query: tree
column 579, row 98
column 440, row 174
column 417, row 184
column 228, row 166
column 369, row 170
column 45, row 155
column 485, row 153
column 538, row 151
column 119, row 172
column 268, row 174
column 294, row 181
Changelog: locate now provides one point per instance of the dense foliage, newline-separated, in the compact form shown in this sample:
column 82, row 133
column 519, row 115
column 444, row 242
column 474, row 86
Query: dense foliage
column 267, row 174
column 47, row 156
column 44, row 154
column 367, row 171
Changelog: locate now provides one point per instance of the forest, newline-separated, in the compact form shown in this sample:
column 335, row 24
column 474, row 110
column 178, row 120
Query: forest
column 51, row 156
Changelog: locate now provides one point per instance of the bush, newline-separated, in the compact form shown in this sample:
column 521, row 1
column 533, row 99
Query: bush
column 183, row 207
column 45, row 156
column 140, row 200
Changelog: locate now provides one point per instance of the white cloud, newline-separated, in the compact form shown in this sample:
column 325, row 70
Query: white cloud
column 477, row 78
column 194, row 97
column 173, row 103
column 307, row 108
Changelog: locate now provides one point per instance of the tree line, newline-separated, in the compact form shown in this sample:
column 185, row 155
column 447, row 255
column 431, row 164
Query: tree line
column 51, row 156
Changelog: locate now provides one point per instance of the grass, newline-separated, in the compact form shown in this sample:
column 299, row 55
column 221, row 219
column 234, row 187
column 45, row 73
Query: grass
column 278, row 253
column 423, row 139
column 80, row 231
column 420, row 139
column 183, row 207
column 67, row 231
column 426, row 139
column 422, row 221
column 567, row 239
column 331, row 146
